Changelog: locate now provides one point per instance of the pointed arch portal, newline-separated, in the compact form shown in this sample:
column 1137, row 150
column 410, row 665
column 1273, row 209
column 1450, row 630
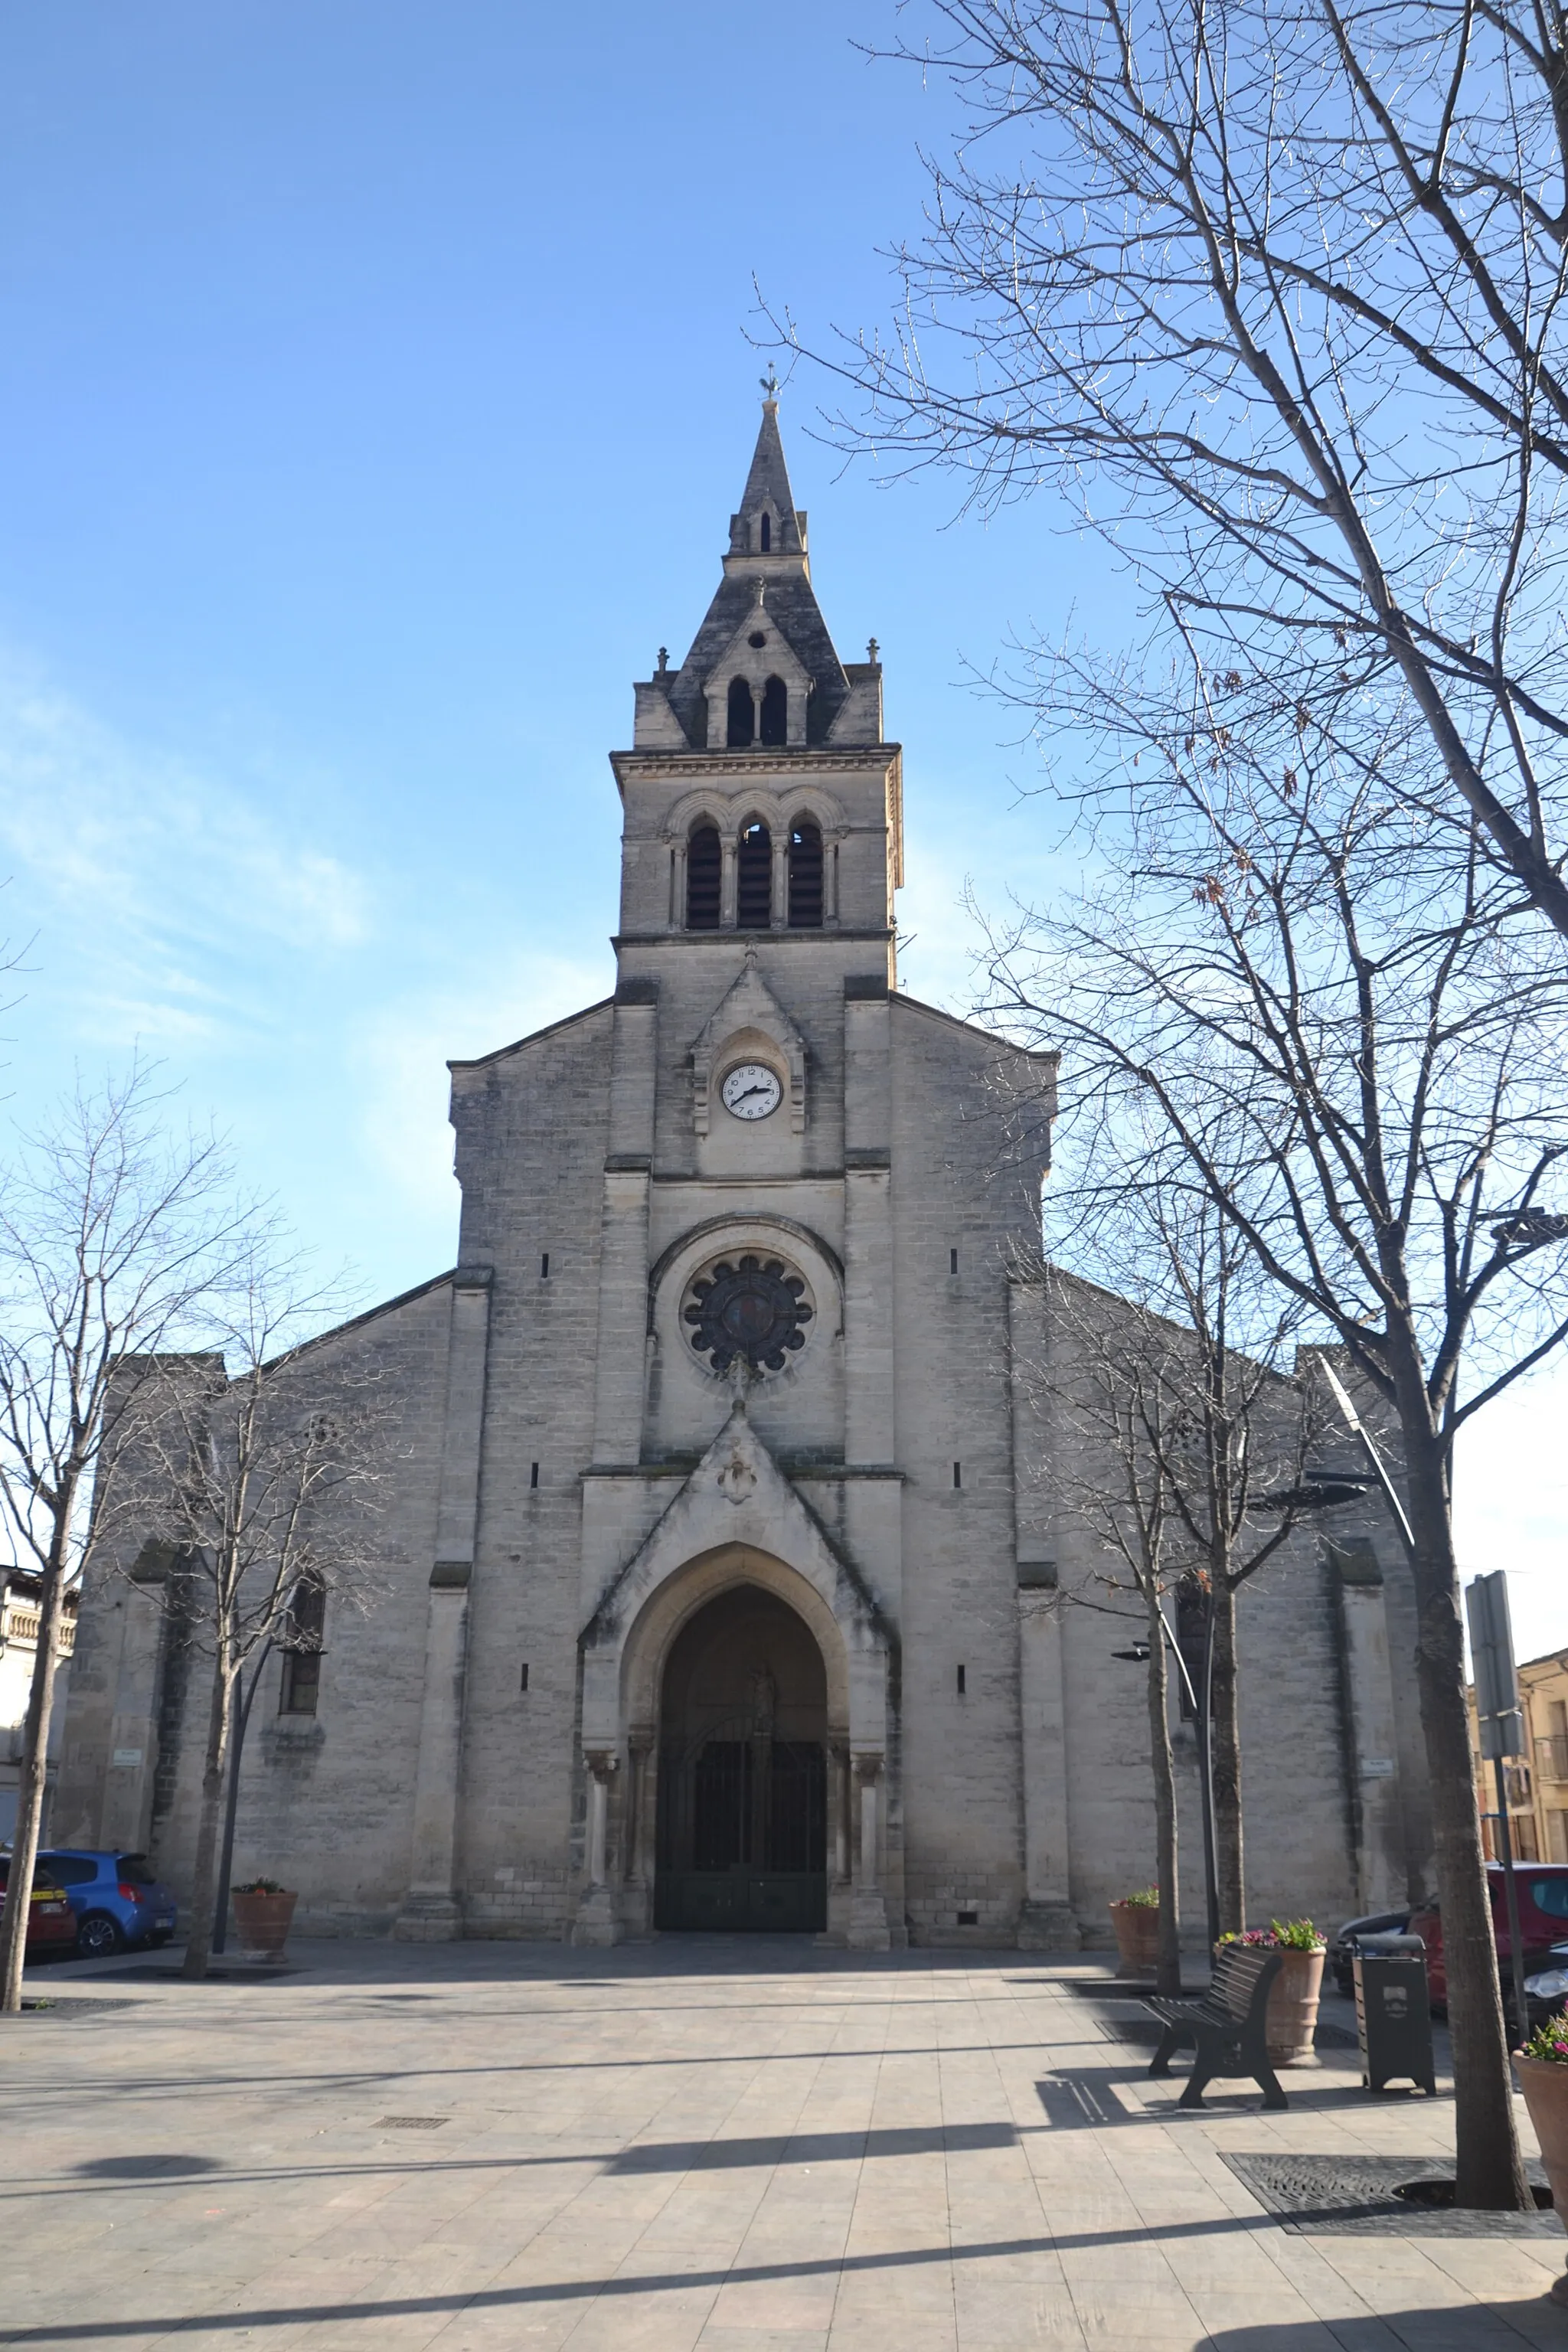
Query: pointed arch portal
column 741, row 1841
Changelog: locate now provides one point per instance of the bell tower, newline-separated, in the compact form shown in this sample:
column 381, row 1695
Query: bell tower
column 760, row 798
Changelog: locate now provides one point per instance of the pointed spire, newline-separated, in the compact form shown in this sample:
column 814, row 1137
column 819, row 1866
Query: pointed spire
column 768, row 495
column 774, row 562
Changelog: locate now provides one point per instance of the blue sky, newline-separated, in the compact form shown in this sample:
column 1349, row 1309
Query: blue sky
column 375, row 391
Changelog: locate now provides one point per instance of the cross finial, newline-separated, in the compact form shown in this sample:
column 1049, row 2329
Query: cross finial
column 872, row 649
column 770, row 383
column 663, row 659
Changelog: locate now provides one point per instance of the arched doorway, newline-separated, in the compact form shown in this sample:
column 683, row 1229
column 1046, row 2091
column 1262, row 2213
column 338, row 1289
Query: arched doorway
column 741, row 1831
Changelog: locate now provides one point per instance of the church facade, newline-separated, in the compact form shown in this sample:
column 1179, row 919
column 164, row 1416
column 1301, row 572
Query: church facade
column 722, row 1586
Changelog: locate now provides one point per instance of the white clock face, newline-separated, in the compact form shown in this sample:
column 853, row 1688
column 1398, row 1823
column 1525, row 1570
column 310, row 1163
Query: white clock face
column 749, row 1091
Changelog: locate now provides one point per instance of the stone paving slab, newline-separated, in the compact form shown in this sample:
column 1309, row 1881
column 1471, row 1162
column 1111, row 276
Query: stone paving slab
column 695, row 2145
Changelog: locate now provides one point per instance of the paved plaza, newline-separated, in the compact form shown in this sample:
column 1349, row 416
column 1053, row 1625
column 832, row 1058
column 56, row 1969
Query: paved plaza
column 735, row 2144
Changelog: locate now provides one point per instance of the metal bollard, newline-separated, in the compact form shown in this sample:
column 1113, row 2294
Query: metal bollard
column 1393, row 2013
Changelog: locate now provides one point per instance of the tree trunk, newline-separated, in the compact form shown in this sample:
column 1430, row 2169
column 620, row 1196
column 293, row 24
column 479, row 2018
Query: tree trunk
column 203, row 1877
column 1168, row 1967
column 1488, row 2168
column 1225, row 1739
column 33, row 1774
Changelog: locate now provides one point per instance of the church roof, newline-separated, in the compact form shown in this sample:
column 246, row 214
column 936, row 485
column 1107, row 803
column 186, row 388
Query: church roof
column 791, row 602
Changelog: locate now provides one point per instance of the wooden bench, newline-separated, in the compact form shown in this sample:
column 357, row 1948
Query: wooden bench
column 1227, row 2026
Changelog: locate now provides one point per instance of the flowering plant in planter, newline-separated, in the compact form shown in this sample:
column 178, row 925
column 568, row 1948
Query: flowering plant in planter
column 263, row 1913
column 1136, row 1918
column 1549, row 2041
column 1542, row 2066
column 1279, row 1936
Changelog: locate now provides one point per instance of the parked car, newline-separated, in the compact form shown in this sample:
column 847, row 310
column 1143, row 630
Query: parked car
column 1342, row 1950
column 1543, row 1891
column 115, row 1898
column 51, row 1922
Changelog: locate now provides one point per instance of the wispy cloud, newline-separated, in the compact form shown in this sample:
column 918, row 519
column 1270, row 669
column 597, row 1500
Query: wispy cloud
column 142, row 872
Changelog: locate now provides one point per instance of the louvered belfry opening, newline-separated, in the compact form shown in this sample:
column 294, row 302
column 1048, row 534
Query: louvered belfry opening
column 754, row 879
column 776, row 712
column 704, row 875
column 805, row 877
column 742, row 715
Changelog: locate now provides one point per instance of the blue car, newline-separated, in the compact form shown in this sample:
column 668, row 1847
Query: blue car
column 115, row 1896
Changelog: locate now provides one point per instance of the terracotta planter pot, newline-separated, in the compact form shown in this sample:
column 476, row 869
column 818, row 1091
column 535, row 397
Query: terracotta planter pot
column 1293, row 2013
column 1137, row 1927
column 1545, row 2087
column 262, row 1923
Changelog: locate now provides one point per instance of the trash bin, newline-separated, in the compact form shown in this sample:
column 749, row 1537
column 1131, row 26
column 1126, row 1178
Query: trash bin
column 1393, row 2013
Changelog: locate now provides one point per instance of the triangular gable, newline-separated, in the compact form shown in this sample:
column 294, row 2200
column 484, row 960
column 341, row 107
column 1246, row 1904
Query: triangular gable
column 738, row 1495
column 749, row 1004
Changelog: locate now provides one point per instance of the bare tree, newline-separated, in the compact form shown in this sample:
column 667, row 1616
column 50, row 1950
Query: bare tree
column 1273, row 295
column 1102, row 1382
column 1353, row 1041
column 257, row 1467
column 1222, row 1424
column 111, row 1232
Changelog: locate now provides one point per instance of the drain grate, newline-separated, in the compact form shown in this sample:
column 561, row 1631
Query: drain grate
column 1357, row 2196
column 412, row 2123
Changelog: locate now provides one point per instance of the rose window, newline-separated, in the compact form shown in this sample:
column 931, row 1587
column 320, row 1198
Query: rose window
column 750, row 1306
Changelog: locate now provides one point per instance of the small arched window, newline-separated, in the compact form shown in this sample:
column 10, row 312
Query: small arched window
column 741, row 728
column 776, row 712
column 754, row 879
column 765, row 534
column 704, row 873
column 804, row 877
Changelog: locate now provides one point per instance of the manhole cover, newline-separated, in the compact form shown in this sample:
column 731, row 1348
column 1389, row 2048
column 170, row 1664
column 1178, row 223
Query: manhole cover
column 1358, row 2196
column 412, row 2123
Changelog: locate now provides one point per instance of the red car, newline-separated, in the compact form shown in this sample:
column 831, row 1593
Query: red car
column 1542, row 1889
column 51, row 1922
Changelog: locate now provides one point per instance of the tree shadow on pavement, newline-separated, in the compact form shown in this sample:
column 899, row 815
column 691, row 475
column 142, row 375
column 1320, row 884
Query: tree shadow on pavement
column 1452, row 2327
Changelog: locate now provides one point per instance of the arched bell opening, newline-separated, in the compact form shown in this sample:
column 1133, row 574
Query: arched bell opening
column 804, row 877
column 741, row 1837
column 704, row 878
column 741, row 729
column 775, row 711
column 754, row 879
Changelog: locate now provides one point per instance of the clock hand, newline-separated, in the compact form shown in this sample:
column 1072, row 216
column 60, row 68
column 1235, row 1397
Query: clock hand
column 746, row 1094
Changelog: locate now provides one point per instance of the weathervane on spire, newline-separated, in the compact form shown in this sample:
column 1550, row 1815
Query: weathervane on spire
column 769, row 382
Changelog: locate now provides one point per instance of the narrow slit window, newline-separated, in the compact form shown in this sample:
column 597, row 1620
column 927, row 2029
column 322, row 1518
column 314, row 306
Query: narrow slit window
column 523, row 1684
column 963, row 1673
column 765, row 534
column 952, row 1261
column 742, row 726
column 534, row 1474
column 804, row 877
column 300, row 1641
column 704, row 878
column 544, row 1265
column 776, row 712
column 754, row 879
column 958, row 1474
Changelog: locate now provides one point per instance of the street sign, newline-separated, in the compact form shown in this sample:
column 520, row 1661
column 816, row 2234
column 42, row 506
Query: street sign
column 1492, row 1645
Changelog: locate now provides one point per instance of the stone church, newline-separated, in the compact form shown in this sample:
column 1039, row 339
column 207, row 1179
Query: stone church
column 722, row 1588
